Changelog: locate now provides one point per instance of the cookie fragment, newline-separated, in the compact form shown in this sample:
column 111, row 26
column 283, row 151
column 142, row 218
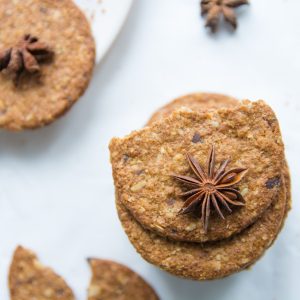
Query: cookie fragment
column 29, row 279
column 113, row 281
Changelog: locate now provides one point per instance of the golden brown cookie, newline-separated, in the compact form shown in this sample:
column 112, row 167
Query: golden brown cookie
column 197, row 102
column 211, row 260
column 38, row 100
column 113, row 281
column 143, row 162
column 207, row 101
column 29, row 279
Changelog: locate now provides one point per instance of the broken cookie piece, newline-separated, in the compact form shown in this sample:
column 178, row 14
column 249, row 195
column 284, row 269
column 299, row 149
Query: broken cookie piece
column 30, row 280
column 113, row 281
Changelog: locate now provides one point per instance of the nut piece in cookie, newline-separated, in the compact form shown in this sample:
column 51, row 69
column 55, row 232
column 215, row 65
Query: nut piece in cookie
column 29, row 279
column 113, row 281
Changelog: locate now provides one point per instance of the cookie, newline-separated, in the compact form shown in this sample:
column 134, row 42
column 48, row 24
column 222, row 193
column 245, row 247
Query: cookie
column 211, row 260
column 196, row 102
column 143, row 162
column 113, row 281
column 29, row 279
column 40, row 98
column 203, row 102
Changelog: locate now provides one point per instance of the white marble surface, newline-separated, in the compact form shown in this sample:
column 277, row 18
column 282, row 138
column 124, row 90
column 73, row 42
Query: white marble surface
column 56, row 190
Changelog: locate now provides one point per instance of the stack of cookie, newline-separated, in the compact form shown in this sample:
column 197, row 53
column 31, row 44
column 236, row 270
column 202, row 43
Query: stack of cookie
column 204, row 189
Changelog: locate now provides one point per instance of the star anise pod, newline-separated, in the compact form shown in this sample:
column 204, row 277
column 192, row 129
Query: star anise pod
column 25, row 56
column 211, row 188
column 214, row 9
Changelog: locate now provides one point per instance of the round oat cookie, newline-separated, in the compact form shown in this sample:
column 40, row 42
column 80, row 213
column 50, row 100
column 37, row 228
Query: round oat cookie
column 113, row 281
column 36, row 101
column 143, row 161
column 197, row 102
column 212, row 260
column 29, row 279
column 204, row 101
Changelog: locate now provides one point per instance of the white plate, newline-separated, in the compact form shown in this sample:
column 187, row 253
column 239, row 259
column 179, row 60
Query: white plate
column 107, row 18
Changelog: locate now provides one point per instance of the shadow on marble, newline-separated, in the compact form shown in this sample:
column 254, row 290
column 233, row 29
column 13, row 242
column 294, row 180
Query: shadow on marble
column 192, row 290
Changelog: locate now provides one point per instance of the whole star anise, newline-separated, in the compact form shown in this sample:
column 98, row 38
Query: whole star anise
column 25, row 56
column 214, row 9
column 211, row 188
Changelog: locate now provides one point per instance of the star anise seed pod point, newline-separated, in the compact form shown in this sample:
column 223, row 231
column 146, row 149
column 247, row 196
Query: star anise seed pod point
column 211, row 188
column 214, row 9
column 25, row 56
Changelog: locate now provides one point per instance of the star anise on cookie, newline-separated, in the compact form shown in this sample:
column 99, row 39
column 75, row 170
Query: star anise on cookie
column 25, row 56
column 211, row 188
column 215, row 9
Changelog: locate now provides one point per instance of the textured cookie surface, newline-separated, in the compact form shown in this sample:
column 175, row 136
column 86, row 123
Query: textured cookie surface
column 36, row 102
column 143, row 161
column 196, row 102
column 30, row 280
column 208, row 101
column 212, row 260
column 113, row 281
